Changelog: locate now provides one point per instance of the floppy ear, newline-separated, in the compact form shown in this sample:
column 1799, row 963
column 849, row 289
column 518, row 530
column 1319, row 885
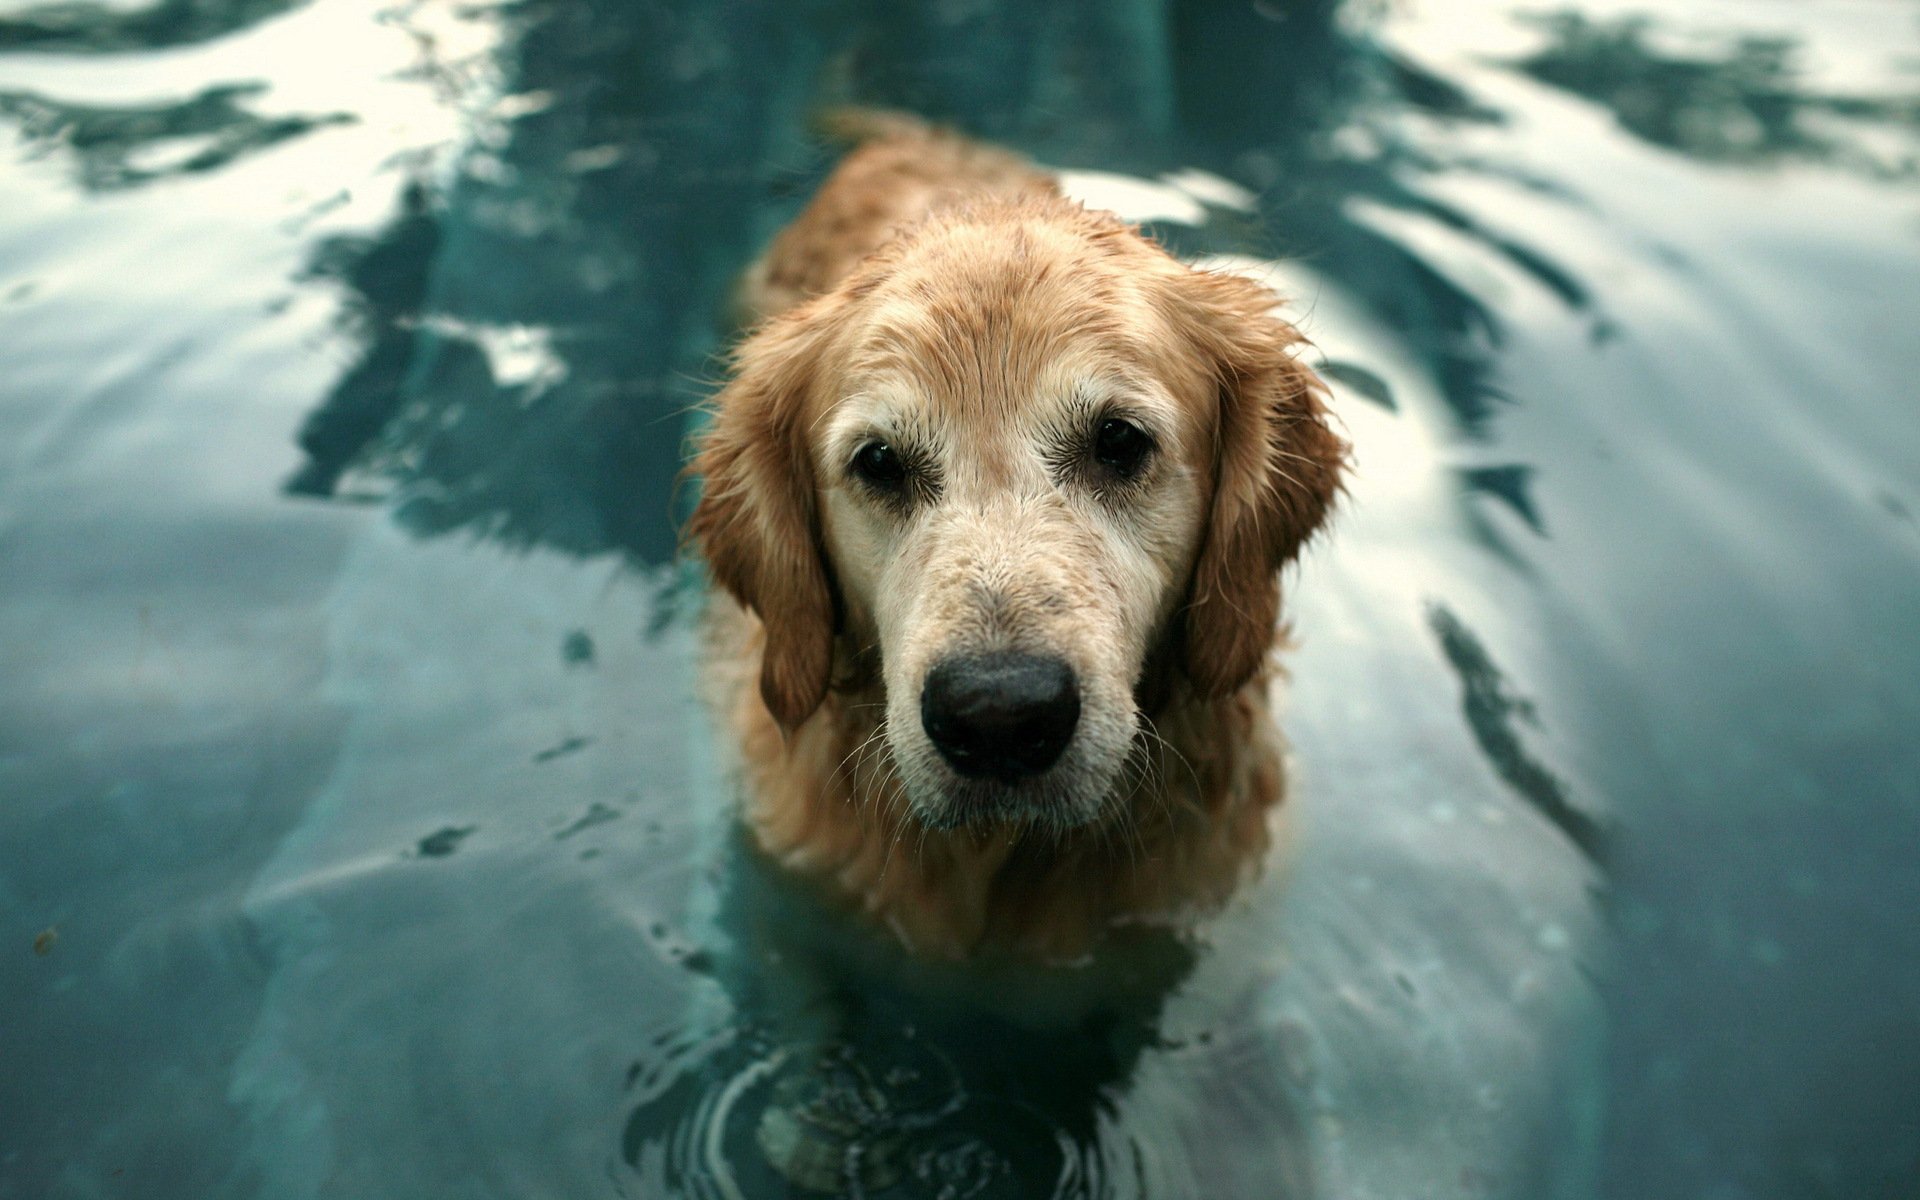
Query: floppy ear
column 756, row 523
column 1277, row 469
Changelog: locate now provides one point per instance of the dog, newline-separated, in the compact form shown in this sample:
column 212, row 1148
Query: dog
column 997, row 497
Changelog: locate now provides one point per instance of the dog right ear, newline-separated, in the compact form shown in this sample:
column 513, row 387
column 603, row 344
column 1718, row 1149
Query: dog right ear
column 756, row 523
column 1277, row 471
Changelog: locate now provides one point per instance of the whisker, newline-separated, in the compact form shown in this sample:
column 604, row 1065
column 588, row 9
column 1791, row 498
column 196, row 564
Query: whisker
column 1167, row 747
column 857, row 757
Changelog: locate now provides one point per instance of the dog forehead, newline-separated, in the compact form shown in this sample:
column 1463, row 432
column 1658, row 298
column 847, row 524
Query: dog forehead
column 982, row 312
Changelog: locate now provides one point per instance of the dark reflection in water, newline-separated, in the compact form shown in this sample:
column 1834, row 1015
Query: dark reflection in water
column 536, row 330
column 1744, row 104
column 1493, row 712
column 1512, row 486
column 124, row 147
column 387, row 278
column 79, row 27
column 1260, row 90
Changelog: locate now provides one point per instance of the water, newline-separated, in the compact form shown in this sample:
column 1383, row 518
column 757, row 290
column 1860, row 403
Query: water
column 361, row 835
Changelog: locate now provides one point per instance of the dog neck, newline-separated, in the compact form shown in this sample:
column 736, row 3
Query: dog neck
column 824, row 803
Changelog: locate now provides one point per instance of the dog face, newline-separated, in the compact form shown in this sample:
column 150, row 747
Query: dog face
column 1024, row 460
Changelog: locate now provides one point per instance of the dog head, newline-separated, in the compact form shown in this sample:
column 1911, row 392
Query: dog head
column 1030, row 464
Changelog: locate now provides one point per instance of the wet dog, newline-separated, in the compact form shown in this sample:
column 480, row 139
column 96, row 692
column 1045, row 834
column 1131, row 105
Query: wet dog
column 999, row 493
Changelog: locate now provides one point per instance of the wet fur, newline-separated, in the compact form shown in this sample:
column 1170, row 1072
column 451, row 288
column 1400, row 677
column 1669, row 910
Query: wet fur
column 942, row 290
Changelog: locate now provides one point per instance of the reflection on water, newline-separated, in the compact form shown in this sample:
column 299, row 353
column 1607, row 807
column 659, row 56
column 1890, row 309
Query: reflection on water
column 540, row 319
column 107, row 28
column 1491, row 710
column 400, row 864
column 388, row 276
column 1744, row 104
column 858, row 1072
column 124, row 147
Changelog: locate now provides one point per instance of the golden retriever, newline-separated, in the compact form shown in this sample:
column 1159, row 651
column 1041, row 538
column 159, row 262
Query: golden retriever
column 1002, row 491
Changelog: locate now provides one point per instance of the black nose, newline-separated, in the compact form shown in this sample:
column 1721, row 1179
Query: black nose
column 1001, row 715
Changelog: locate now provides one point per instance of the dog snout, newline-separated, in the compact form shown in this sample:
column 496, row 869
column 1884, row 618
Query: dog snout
column 1001, row 716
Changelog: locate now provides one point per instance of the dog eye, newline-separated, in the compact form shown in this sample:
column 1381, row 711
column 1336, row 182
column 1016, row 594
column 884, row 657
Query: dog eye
column 876, row 463
column 1121, row 447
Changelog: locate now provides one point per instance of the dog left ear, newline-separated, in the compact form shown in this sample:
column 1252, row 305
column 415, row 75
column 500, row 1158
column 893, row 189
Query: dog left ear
column 756, row 522
column 1277, row 466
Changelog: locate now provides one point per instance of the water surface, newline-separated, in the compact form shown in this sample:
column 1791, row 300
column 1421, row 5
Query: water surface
column 360, row 834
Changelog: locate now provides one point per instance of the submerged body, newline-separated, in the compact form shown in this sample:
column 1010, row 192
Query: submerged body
column 1001, row 491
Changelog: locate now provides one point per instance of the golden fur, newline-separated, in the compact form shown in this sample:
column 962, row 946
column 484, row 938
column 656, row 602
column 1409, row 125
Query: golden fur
column 940, row 295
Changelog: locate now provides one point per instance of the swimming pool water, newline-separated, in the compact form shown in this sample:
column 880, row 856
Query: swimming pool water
column 360, row 834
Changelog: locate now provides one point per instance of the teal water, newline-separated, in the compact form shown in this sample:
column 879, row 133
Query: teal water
column 360, row 834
